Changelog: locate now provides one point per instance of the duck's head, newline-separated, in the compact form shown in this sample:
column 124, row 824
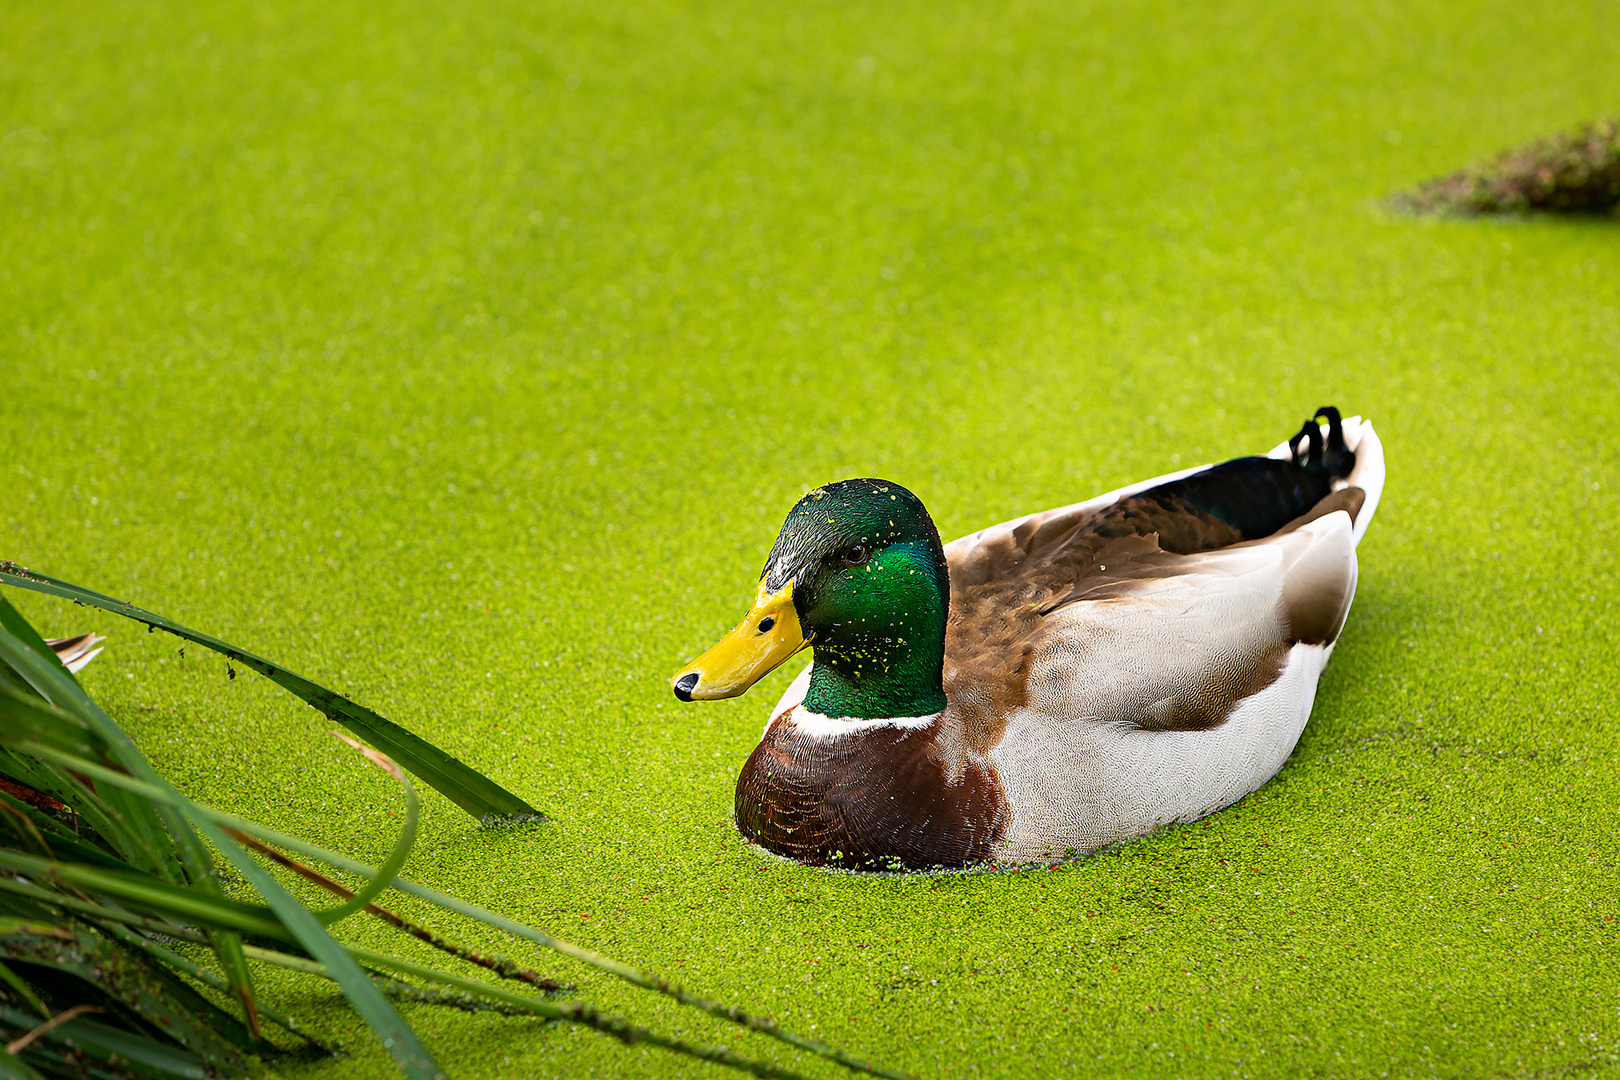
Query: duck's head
column 858, row 573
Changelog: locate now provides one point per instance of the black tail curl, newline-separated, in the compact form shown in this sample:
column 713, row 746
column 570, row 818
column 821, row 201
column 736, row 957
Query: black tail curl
column 1259, row 495
column 1334, row 458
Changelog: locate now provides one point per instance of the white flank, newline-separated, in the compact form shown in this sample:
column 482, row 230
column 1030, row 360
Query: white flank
column 1368, row 475
column 1103, row 783
column 1076, row 772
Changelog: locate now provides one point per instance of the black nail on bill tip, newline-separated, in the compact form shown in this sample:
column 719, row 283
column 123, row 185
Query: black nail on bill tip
column 685, row 685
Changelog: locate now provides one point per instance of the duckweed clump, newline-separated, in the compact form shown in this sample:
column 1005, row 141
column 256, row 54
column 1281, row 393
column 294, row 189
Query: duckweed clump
column 1573, row 172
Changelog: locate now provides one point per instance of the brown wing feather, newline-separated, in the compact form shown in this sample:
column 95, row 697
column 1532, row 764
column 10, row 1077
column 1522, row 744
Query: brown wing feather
column 1005, row 587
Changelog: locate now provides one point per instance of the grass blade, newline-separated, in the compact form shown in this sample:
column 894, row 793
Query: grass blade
column 472, row 791
column 227, row 946
column 506, row 969
column 397, row 1038
column 67, row 788
column 13, row 1066
column 402, row 847
column 148, row 990
column 572, row 1012
column 49, row 724
column 284, row 918
column 22, row 892
column 150, row 845
column 157, row 835
column 22, row 990
column 147, row 1055
column 489, row 918
column 174, row 960
column 147, row 895
column 13, row 622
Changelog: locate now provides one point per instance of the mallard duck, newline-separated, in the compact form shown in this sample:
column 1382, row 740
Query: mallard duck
column 1050, row 685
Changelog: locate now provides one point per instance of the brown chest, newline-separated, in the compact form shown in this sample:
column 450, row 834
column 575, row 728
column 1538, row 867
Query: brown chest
column 874, row 798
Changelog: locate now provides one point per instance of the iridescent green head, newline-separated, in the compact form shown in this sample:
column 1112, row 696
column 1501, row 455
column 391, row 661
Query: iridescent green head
column 858, row 573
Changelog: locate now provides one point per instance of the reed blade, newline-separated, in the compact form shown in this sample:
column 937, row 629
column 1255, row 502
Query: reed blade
column 397, row 1038
column 384, row 877
column 13, row 1066
column 140, row 822
column 155, row 836
column 757, row 1024
column 149, row 991
column 469, row 789
column 145, row 1055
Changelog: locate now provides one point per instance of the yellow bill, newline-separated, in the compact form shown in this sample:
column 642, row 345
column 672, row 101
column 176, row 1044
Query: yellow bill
column 767, row 636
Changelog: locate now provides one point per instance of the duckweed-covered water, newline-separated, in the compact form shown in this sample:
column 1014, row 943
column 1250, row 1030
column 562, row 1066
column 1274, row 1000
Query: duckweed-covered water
column 467, row 358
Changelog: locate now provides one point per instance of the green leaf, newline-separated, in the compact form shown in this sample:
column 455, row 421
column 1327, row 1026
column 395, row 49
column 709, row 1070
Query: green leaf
column 142, row 833
column 62, row 844
column 13, row 1066
column 155, row 836
column 23, row 990
column 13, row 622
column 227, row 945
column 30, row 901
column 146, row 894
column 106, row 821
column 147, row 989
column 145, row 1055
column 396, row 1036
column 174, row 960
column 472, row 791
column 29, row 716
column 396, row 859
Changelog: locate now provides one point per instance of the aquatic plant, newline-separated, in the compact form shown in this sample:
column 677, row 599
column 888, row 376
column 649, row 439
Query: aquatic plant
column 1577, row 171
column 111, row 891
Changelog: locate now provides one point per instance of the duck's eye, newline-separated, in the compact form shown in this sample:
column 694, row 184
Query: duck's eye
column 766, row 623
column 855, row 555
